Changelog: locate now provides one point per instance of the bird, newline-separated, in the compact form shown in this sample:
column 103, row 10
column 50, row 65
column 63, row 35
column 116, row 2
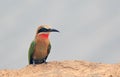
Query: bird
column 40, row 47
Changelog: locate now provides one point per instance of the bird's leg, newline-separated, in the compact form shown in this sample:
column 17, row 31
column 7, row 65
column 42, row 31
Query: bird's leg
column 44, row 60
column 33, row 62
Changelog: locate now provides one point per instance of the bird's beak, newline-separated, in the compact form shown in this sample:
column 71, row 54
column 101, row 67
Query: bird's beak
column 53, row 30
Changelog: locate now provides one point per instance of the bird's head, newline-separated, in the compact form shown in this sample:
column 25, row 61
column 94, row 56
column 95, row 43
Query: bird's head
column 43, row 31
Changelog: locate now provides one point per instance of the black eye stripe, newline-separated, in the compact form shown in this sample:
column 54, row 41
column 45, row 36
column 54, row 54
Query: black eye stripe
column 42, row 30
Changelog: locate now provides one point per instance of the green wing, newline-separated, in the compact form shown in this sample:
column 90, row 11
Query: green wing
column 49, row 48
column 30, row 52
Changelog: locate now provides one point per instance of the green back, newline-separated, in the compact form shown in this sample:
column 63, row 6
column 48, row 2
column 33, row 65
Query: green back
column 30, row 52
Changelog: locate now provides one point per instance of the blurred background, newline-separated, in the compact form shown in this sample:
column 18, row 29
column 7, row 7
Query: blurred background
column 89, row 30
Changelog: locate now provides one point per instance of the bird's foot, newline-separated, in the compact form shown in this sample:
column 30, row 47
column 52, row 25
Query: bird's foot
column 34, row 63
column 45, row 62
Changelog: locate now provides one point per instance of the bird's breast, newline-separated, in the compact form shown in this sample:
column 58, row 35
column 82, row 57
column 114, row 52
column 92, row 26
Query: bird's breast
column 41, row 49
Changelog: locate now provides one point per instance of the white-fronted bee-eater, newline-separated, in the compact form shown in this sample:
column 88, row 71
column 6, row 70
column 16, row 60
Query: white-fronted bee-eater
column 40, row 46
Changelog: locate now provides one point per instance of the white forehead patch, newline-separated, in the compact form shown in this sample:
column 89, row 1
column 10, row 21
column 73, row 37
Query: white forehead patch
column 46, row 26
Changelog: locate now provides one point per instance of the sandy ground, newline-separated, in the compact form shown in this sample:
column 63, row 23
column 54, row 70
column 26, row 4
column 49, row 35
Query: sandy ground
column 72, row 68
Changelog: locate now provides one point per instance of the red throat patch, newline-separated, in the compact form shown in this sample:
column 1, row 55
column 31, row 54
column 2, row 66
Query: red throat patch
column 45, row 36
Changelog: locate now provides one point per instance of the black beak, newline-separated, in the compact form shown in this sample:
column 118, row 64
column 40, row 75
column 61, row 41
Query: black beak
column 52, row 30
